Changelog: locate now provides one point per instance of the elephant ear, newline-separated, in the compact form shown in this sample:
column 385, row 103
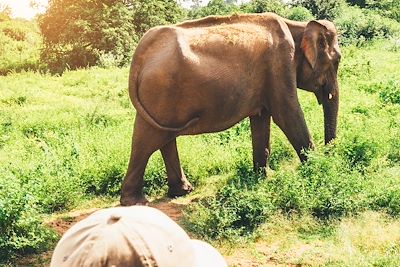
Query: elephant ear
column 313, row 40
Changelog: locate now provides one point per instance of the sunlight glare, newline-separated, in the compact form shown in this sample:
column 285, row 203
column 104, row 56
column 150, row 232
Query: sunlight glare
column 23, row 8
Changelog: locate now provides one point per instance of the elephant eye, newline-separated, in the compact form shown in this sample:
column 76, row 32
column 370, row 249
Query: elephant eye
column 321, row 43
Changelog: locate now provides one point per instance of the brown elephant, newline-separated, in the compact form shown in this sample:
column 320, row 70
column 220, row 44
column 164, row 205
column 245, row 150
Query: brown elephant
column 206, row 75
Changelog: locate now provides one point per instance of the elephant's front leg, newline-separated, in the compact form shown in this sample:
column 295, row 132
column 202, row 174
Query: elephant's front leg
column 178, row 185
column 260, row 133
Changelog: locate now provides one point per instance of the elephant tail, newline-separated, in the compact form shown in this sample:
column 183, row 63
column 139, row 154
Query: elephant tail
column 134, row 95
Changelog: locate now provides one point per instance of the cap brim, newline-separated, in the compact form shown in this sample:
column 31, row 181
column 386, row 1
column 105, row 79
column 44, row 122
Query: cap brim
column 206, row 255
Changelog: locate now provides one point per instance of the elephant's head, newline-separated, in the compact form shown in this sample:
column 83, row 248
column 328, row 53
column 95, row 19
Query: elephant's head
column 318, row 67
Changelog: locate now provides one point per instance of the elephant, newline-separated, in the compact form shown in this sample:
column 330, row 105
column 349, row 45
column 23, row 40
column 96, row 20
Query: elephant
column 206, row 75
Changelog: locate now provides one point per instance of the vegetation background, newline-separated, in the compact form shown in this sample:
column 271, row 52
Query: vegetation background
column 66, row 123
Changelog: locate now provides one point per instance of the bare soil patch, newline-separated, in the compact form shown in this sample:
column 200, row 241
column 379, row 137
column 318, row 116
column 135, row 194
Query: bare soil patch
column 173, row 209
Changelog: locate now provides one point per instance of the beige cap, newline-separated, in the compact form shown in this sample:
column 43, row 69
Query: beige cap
column 132, row 236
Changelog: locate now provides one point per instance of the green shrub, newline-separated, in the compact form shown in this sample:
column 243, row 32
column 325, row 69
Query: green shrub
column 102, row 174
column 390, row 93
column 20, row 44
column 21, row 228
column 288, row 192
column 53, row 193
column 233, row 212
column 299, row 13
column 357, row 25
column 323, row 187
column 387, row 8
column 261, row 6
column 323, row 9
column 385, row 194
column 214, row 7
column 359, row 150
column 394, row 150
column 332, row 188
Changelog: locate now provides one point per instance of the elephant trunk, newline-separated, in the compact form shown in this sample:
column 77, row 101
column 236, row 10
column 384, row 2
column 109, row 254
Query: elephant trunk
column 330, row 103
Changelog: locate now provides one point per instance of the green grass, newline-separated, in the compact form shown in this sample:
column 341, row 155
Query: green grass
column 65, row 142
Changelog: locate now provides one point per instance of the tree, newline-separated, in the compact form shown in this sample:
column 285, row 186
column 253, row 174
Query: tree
column 214, row 7
column 5, row 12
column 261, row 6
column 387, row 8
column 78, row 33
column 322, row 9
column 147, row 14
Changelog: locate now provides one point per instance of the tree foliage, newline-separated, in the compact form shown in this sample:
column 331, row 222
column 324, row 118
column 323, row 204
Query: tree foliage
column 78, row 33
column 387, row 8
column 20, row 43
column 322, row 9
column 260, row 6
column 214, row 7
column 299, row 13
column 5, row 12
column 147, row 14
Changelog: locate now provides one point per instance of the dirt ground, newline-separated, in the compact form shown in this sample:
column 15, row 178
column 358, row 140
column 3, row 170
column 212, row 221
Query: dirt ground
column 171, row 208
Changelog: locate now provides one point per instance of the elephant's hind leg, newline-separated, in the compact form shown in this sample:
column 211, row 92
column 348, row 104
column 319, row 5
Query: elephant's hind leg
column 145, row 141
column 178, row 185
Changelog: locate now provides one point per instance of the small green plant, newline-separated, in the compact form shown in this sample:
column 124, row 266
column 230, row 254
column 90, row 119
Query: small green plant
column 390, row 93
column 21, row 225
column 233, row 212
column 359, row 151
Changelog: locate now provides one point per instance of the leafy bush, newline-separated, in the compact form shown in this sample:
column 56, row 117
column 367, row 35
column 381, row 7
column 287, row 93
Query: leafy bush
column 390, row 93
column 214, row 7
column 324, row 187
column 299, row 13
column 387, row 8
column 261, row 6
column 358, row 25
column 234, row 211
column 20, row 44
column 323, row 9
column 21, row 226
column 394, row 150
column 359, row 151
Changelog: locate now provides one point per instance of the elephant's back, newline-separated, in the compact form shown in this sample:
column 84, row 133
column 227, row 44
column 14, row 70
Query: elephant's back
column 214, row 73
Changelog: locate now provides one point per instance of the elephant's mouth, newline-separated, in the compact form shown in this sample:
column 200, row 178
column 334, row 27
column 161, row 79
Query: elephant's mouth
column 319, row 95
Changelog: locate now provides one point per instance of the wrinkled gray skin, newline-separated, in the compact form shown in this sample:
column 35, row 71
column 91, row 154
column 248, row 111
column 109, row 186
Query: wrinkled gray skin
column 206, row 75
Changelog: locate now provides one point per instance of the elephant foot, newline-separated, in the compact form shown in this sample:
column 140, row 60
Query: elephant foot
column 262, row 171
column 131, row 201
column 178, row 191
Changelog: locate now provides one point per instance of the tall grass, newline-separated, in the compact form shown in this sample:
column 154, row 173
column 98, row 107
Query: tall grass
column 360, row 171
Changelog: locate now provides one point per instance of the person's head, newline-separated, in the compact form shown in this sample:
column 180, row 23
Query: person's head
column 136, row 236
